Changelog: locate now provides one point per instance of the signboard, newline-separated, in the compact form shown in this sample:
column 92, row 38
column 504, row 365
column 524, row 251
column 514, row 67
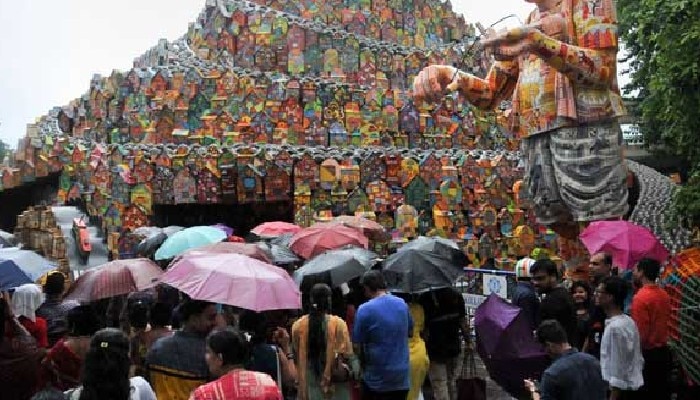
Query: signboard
column 495, row 284
column 472, row 301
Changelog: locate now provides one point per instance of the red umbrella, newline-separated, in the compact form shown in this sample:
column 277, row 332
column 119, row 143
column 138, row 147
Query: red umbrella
column 369, row 228
column 275, row 229
column 318, row 238
column 115, row 278
column 247, row 249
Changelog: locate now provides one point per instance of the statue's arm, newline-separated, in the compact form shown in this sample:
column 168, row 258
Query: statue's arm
column 593, row 61
column 487, row 93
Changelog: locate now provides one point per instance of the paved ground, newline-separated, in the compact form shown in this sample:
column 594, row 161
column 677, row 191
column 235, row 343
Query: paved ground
column 98, row 256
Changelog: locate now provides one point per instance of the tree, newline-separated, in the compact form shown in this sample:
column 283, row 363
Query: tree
column 662, row 38
column 4, row 149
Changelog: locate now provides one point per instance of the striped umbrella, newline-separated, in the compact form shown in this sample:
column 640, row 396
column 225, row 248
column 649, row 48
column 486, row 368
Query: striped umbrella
column 115, row 278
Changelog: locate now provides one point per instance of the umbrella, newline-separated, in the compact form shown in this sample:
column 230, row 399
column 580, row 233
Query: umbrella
column 415, row 271
column 626, row 242
column 115, row 278
column 506, row 345
column 148, row 231
column 437, row 245
column 28, row 261
column 340, row 265
column 315, row 240
column 11, row 276
column 369, row 228
column 278, row 253
column 283, row 240
column 187, row 239
column 148, row 245
column 247, row 249
column 227, row 229
column 172, row 229
column 236, row 280
column 275, row 229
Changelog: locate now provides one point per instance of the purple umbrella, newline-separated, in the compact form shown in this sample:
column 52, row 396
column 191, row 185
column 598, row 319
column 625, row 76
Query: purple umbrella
column 506, row 345
column 228, row 230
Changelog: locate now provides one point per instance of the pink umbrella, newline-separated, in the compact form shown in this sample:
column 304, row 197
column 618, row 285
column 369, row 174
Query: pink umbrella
column 369, row 228
column 275, row 229
column 236, row 280
column 115, row 278
column 247, row 249
column 626, row 242
column 321, row 237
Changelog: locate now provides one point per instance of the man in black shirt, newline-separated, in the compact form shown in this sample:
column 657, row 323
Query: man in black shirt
column 446, row 326
column 557, row 303
column 600, row 267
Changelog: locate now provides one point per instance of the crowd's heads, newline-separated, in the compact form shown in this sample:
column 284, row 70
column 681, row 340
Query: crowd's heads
column 611, row 293
column 106, row 366
column 582, row 294
column 373, row 282
column 55, row 284
column 545, row 275
column 226, row 348
column 82, row 321
column 600, row 266
column 522, row 268
column 198, row 316
column 647, row 269
column 321, row 298
column 26, row 300
column 138, row 315
column 160, row 315
column 552, row 336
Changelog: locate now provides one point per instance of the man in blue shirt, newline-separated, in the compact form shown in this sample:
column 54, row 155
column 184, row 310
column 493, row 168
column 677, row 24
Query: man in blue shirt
column 573, row 375
column 380, row 335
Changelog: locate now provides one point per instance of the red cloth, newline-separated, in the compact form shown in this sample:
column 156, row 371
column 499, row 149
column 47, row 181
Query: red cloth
column 38, row 329
column 61, row 367
column 239, row 384
column 651, row 308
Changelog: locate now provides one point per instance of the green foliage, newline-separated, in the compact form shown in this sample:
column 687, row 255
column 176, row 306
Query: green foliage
column 4, row 148
column 662, row 38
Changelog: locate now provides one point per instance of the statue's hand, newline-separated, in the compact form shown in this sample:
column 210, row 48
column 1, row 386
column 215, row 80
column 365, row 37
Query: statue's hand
column 433, row 82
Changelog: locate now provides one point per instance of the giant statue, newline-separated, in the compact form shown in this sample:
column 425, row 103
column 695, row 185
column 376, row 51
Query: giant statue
column 559, row 72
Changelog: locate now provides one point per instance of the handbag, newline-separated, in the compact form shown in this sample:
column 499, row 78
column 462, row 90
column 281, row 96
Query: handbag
column 340, row 370
column 469, row 385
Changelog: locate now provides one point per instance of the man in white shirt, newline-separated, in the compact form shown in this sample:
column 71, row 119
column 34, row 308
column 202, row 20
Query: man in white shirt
column 620, row 350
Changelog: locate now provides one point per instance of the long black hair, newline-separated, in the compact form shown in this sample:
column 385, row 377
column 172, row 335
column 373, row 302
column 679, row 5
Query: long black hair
column 320, row 306
column 106, row 367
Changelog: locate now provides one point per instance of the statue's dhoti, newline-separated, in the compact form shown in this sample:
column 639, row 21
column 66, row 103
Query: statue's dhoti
column 576, row 174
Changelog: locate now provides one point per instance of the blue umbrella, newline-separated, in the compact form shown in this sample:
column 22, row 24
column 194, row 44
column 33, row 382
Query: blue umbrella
column 187, row 239
column 11, row 276
column 32, row 264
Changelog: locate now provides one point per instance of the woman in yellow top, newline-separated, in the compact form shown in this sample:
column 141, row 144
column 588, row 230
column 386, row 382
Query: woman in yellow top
column 418, row 355
column 317, row 338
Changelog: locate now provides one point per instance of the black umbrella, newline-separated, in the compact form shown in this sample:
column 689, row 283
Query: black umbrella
column 437, row 245
column 414, row 271
column 148, row 246
column 340, row 265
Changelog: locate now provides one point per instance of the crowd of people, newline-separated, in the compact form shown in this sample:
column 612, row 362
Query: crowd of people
column 355, row 342
column 606, row 340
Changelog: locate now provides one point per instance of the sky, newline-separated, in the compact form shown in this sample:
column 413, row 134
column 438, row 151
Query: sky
column 50, row 49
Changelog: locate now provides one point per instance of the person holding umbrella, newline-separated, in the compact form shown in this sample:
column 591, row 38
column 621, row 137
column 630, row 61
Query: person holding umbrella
column 573, row 375
column 25, row 301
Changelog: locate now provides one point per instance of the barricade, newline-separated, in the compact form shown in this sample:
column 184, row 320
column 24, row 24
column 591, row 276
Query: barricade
column 476, row 284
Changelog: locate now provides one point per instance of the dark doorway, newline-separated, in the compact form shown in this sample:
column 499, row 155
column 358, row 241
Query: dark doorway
column 241, row 217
